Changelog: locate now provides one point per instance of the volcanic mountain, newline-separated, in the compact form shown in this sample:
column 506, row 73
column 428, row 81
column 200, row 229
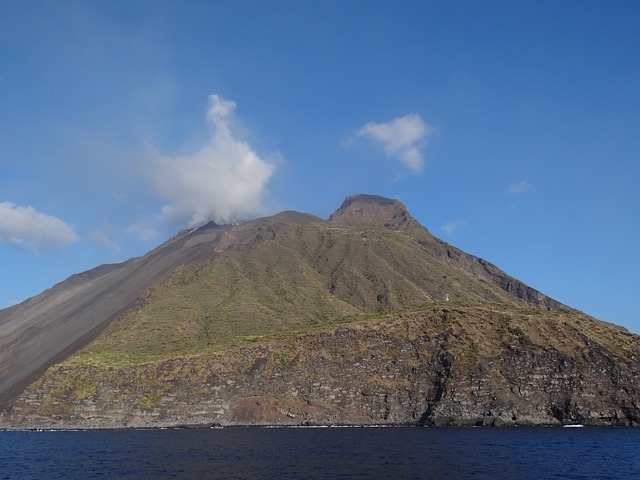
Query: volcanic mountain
column 364, row 318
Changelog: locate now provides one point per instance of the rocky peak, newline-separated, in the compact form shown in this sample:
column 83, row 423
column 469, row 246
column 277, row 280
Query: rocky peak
column 373, row 210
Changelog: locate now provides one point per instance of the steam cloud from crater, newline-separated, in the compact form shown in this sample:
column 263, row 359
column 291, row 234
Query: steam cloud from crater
column 224, row 181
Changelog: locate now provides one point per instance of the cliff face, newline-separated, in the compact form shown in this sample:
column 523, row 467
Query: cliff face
column 438, row 366
column 294, row 320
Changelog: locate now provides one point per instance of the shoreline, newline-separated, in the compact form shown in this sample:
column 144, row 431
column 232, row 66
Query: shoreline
column 334, row 426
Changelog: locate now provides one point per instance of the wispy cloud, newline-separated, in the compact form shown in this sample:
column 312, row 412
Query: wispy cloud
column 31, row 230
column 224, row 181
column 102, row 236
column 402, row 139
column 452, row 227
column 520, row 187
column 143, row 230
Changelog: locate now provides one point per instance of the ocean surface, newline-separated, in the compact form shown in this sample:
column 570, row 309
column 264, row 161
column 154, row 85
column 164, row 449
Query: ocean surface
column 324, row 453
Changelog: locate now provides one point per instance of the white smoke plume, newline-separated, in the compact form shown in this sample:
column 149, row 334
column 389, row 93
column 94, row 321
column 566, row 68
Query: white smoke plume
column 224, row 181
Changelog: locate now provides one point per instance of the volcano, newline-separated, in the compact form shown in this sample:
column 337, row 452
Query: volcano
column 363, row 318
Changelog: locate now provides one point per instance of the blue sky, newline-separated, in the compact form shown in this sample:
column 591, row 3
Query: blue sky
column 510, row 129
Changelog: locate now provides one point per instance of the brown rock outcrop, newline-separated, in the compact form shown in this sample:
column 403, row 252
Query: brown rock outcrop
column 373, row 210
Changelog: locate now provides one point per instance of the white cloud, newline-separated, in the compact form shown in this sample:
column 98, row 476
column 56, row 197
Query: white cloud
column 520, row 187
column 224, row 181
column 452, row 227
column 29, row 229
column 402, row 138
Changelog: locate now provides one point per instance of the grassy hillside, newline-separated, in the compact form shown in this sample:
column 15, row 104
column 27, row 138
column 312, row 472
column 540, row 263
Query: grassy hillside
column 306, row 276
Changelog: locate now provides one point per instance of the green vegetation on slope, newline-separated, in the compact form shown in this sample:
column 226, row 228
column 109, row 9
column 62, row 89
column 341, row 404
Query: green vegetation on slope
column 308, row 276
column 465, row 342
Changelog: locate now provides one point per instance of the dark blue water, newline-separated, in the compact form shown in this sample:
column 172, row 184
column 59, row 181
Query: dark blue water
column 252, row 453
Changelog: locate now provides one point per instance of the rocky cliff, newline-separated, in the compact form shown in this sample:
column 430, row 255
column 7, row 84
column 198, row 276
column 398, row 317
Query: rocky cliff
column 295, row 320
column 442, row 365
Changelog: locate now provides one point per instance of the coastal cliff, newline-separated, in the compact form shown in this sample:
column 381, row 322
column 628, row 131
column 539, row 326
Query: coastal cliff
column 440, row 366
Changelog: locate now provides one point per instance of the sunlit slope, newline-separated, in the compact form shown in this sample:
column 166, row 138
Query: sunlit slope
column 303, row 276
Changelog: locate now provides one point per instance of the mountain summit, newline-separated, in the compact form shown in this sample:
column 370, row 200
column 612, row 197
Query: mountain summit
column 373, row 210
column 364, row 318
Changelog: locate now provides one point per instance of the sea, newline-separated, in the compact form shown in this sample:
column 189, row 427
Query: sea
column 324, row 453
